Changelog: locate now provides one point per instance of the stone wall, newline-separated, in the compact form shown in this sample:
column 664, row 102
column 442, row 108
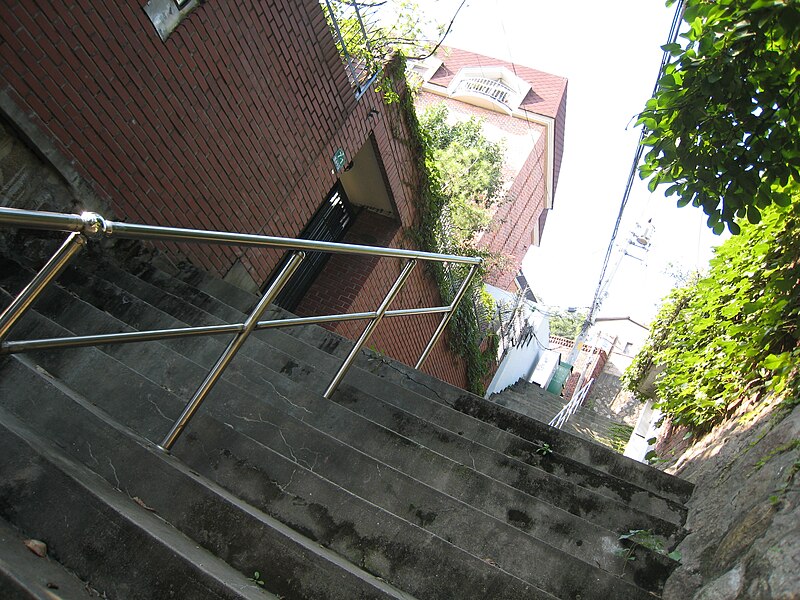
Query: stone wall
column 744, row 516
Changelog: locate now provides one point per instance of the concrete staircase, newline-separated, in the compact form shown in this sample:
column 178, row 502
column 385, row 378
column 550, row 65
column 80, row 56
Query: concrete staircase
column 531, row 400
column 401, row 486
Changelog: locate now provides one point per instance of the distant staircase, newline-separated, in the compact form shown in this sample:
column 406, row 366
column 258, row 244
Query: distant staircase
column 401, row 486
column 531, row 400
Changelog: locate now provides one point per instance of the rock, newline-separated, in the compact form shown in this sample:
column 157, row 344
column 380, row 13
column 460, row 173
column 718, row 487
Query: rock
column 38, row 547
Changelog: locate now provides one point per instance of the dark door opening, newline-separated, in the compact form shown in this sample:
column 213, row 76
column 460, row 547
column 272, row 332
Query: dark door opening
column 329, row 224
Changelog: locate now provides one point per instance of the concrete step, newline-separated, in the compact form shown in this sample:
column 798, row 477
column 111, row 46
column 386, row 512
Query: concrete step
column 285, row 485
column 26, row 576
column 577, row 449
column 314, row 360
column 96, row 531
column 442, row 429
column 585, row 422
column 513, row 516
column 537, row 404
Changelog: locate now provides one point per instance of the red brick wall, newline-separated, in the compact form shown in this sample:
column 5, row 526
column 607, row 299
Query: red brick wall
column 510, row 233
column 585, row 359
column 175, row 132
column 231, row 123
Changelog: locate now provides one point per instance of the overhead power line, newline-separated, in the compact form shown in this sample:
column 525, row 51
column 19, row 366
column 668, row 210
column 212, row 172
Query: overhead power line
column 601, row 282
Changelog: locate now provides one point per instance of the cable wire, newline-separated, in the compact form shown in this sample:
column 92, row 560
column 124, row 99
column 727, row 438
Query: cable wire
column 601, row 284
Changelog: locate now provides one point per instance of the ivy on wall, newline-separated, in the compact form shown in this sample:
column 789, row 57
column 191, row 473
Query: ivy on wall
column 433, row 230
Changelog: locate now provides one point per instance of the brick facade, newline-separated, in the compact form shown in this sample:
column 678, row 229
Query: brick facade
column 586, row 357
column 517, row 222
column 229, row 124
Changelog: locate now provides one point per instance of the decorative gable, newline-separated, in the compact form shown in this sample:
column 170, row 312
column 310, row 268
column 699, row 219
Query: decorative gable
column 495, row 88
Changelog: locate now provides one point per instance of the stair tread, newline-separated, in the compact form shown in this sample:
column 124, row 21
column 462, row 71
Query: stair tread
column 477, row 543
column 157, row 494
column 458, row 458
column 24, row 575
column 59, row 487
column 157, row 364
column 293, row 337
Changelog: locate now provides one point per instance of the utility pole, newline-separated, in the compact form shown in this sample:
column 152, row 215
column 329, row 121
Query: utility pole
column 640, row 237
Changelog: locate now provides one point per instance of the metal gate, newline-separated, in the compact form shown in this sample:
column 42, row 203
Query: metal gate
column 329, row 224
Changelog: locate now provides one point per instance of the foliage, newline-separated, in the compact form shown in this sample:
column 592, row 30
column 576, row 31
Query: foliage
column 620, row 434
column 469, row 169
column 369, row 32
column 433, row 233
column 566, row 324
column 646, row 539
column 724, row 124
column 734, row 331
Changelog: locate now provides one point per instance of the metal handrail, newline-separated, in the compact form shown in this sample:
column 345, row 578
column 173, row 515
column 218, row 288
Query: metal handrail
column 571, row 407
column 91, row 225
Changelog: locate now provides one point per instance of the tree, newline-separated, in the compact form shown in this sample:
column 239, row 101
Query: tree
column 566, row 324
column 469, row 170
column 733, row 332
column 369, row 32
column 724, row 124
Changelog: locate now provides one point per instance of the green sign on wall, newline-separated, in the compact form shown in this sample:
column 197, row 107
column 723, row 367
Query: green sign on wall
column 339, row 160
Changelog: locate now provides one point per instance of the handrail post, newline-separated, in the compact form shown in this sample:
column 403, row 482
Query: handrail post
column 233, row 347
column 370, row 328
column 54, row 266
column 447, row 316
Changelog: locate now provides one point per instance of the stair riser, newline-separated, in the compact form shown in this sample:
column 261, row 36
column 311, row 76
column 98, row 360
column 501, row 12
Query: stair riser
column 480, row 535
column 86, row 535
column 365, row 535
column 298, row 426
column 506, row 507
column 561, row 532
column 660, row 483
column 132, row 311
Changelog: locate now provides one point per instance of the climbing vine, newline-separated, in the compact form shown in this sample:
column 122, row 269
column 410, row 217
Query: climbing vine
column 433, row 233
column 733, row 332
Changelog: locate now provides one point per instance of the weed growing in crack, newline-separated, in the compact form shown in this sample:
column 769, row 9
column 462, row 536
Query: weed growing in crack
column 644, row 538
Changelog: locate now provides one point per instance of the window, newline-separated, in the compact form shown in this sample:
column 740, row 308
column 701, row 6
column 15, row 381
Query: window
column 496, row 88
column 166, row 15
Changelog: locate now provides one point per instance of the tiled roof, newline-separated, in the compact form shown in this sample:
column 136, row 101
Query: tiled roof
column 547, row 97
column 547, row 91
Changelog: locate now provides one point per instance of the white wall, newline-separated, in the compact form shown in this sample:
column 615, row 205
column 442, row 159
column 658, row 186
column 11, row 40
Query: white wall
column 520, row 361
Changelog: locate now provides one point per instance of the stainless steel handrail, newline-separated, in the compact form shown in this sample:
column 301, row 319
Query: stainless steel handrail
column 127, row 337
column 92, row 225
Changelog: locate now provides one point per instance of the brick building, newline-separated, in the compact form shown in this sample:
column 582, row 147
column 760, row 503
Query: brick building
column 232, row 122
column 525, row 108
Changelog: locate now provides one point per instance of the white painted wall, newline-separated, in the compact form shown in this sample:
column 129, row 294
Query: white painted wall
column 520, row 361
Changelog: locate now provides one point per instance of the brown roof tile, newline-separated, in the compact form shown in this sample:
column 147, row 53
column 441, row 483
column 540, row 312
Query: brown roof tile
column 548, row 92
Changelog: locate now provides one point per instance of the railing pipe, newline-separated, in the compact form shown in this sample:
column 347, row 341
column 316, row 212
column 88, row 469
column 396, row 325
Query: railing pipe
column 128, row 337
column 447, row 316
column 234, row 346
column 365, row 335
column 349, row 59
column 64, row 222
column 48, row 272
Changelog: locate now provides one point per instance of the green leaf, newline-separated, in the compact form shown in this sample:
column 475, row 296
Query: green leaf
column 675, row 555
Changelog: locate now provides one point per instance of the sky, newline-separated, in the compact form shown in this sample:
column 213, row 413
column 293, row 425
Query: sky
column 610, row 53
